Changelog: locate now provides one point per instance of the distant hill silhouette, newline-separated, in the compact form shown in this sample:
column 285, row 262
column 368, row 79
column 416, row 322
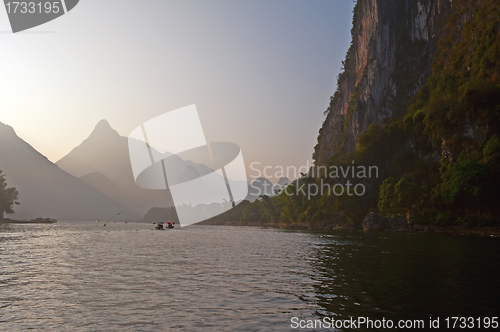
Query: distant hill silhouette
column 260, row 186
column 189, row 173
column 282, row 182
column 48, row 191
column 102, row 161
column 102, row 184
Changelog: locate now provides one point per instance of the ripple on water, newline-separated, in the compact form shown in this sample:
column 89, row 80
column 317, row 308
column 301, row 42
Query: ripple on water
column 76, row 276
column 128, row 277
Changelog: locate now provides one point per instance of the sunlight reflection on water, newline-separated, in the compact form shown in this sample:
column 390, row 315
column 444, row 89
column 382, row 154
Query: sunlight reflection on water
column 80, row 276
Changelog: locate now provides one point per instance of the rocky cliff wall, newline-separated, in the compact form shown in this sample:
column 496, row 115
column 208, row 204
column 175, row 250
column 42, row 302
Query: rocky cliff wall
column 390, row 58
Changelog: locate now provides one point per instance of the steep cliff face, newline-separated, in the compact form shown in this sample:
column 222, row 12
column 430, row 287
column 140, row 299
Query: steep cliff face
column 420, row 100
column 390, row 58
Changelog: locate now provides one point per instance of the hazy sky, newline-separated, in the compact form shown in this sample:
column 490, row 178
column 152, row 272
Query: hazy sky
column 259, row 71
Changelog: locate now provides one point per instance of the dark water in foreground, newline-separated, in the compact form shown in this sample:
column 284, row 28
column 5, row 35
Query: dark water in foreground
column 128, row 277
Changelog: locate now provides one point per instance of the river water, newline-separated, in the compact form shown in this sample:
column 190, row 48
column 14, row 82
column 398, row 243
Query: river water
column 129, row 277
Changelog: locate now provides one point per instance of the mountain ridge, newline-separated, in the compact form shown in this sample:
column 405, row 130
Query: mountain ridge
column 45, row 189
column 105, row 151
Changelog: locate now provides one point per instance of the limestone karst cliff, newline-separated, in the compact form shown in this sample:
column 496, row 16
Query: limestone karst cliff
column 419, row 99
column 390, row 58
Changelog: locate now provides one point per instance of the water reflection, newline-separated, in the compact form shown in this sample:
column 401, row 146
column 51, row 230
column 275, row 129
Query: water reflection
column 406, row 276
column 82, row 277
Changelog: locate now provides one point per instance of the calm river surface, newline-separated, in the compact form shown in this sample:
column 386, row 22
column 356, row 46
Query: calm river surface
column 129, row 277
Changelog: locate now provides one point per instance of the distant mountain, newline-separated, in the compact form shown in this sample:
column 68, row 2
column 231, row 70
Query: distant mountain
column 104, row 151
column 46, row 190
column 190, row 173
column 102, row 184
column 282, row 182
column 260, row 186
column 102, row 161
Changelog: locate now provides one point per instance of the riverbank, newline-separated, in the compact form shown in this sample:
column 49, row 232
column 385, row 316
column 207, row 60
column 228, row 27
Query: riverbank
column 487, row 231
column 35, row 221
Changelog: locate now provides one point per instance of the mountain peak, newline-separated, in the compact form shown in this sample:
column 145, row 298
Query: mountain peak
column 283, row 181
column 103, row 124
column 104, row 128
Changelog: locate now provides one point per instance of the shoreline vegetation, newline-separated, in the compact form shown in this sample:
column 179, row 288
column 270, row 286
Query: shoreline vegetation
column 486, row 231
column 32, row 221
column 239, row 216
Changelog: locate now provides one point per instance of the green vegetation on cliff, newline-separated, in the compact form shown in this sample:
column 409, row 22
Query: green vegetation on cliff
column 446, row 166
column 440, row 163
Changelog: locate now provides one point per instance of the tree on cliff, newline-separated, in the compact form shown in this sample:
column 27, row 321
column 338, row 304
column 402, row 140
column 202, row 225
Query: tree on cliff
column 8, row 196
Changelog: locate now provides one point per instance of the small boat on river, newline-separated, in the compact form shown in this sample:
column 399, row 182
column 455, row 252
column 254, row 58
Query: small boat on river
column 161, row 225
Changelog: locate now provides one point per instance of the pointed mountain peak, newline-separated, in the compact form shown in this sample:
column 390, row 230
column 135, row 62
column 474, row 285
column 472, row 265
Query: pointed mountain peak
column 283, row 181
column 103, row 125
column 104, row 128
